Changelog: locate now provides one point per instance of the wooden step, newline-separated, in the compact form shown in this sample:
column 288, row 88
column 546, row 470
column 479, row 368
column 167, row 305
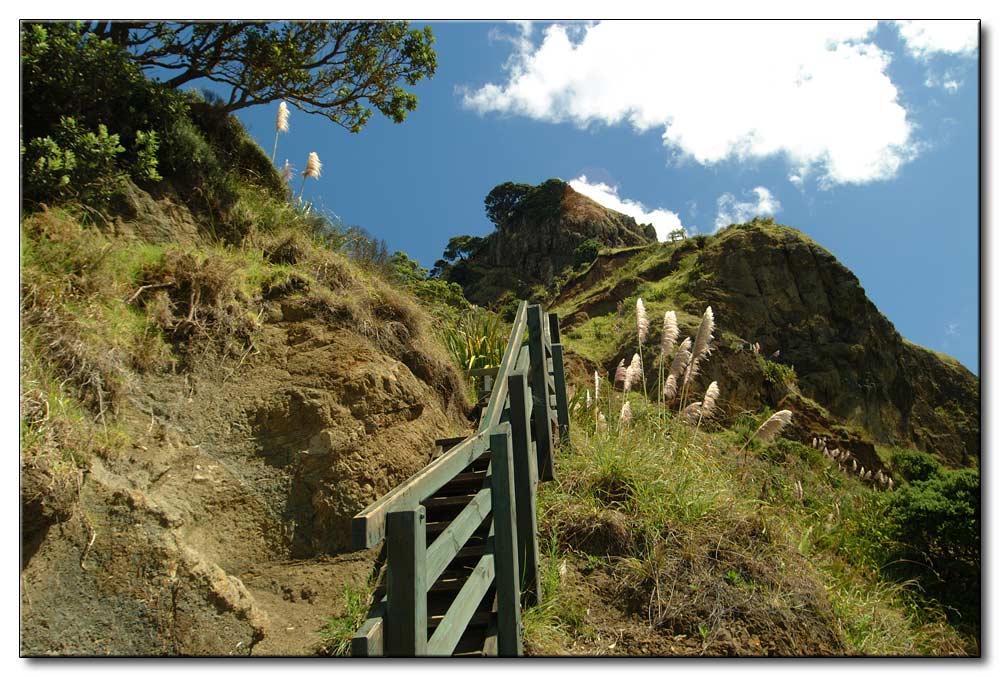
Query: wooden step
column 456, row 500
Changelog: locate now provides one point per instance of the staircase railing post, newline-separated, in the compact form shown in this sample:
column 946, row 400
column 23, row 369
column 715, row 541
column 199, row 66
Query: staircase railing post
column 406, row 587
column 559, row 377
column 525, row 482
column 505, row 544
column 537, row 377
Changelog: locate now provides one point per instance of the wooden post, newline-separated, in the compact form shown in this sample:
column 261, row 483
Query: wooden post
column 505, row 545
column 525, row 481
column 559, row 376
column 405, row 628
column 562, row 406
column 540, row 411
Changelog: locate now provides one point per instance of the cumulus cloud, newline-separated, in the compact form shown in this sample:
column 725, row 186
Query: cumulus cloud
column 731, row 210
column 815, row 92
column 663, row 220
column 925, row 38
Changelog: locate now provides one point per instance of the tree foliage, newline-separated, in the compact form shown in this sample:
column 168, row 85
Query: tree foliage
column 460, row 246
column 342, row 70
column 502, row 200
column 936, row 522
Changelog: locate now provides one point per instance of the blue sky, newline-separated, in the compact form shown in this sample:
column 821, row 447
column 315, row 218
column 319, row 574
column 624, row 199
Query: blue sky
column 865, row 137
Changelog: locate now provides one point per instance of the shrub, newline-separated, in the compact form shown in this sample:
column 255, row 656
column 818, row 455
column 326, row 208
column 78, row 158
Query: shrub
column 586, row 252
column 936, row 522
column 914, row 466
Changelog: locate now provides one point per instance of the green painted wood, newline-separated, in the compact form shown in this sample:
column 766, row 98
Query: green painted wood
column 367, row 641
column 525, row 479
column 554, row 328
column 449, row 631
column 405, row 632
column 505, row 545
column 538, row 379
column 453, row 538
column 368, row 526
column 498, row 397
column 562, row 405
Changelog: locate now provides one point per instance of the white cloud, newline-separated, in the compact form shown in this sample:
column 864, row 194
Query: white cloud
column 815, row 92
column 663, row 220
column 925, row 38
column 732, row 210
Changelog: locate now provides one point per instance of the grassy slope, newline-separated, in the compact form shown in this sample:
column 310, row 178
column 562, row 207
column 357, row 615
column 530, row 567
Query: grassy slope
column 715, row 551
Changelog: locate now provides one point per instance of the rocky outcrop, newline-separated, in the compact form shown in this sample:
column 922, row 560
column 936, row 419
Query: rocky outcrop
column 772, row 285
column 536, row 243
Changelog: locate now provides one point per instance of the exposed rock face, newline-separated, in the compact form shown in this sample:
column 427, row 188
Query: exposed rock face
column 772, row 285
column 538, row 240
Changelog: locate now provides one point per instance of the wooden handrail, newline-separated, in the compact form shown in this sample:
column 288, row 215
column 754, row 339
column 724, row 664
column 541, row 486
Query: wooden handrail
column 525, row 416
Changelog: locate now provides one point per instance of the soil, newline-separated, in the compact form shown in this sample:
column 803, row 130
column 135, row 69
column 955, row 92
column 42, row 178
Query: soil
column 224, row 528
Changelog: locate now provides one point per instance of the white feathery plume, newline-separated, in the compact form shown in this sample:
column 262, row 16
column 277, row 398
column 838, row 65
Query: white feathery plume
column 772, row 426
column 702, row 344
column 690, row 413
column 280, row 125
column 670, row 333
column 286, row 172
column 891, row 484
column 641, row 321
column 681, row 358
column 633, row 373
column 313, row 167
column 670, row 388
column 862, row 471
column 590, row 400
column 711, row 395
column 854, row 465
column 597, row 385
column 626, row 414
column 602, row 422
column 868, row 475
column 620, row 371
column 798, row 490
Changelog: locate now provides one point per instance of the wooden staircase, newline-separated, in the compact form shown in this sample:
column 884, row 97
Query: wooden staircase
column 460, row 535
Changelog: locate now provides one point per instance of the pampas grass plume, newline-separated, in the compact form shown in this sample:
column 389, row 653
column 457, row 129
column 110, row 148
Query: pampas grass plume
column 620, row 371
column 711, row 395
column 772, row 426
column 670, row 333
column 641, row 321
column 313, row 167
column 626, row 414
column 634, row 372
column 281, row 124
column 702, row 343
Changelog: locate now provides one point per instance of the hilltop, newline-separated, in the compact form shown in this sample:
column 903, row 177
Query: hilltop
column 541, row 232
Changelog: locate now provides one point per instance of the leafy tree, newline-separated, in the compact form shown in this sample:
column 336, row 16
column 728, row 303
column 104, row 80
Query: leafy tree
column 502, row 200
column 460, row 246
column 341, row 70
column 675, row 235
column 406, row 269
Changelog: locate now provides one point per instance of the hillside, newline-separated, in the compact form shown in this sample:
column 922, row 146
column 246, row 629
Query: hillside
column 215, row 377
column 772, row 285
column 537, row 240
column 201, row 419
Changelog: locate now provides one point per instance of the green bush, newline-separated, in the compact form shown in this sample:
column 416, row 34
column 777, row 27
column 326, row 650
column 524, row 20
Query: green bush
column 936, row 523
column 914, row 466
column 586, row 252
column 84, row 164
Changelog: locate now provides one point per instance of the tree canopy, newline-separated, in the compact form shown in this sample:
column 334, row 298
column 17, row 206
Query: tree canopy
column 502, row 199
column 342, row 70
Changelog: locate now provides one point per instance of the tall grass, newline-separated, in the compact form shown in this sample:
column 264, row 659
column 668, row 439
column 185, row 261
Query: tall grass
column 477, row 340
